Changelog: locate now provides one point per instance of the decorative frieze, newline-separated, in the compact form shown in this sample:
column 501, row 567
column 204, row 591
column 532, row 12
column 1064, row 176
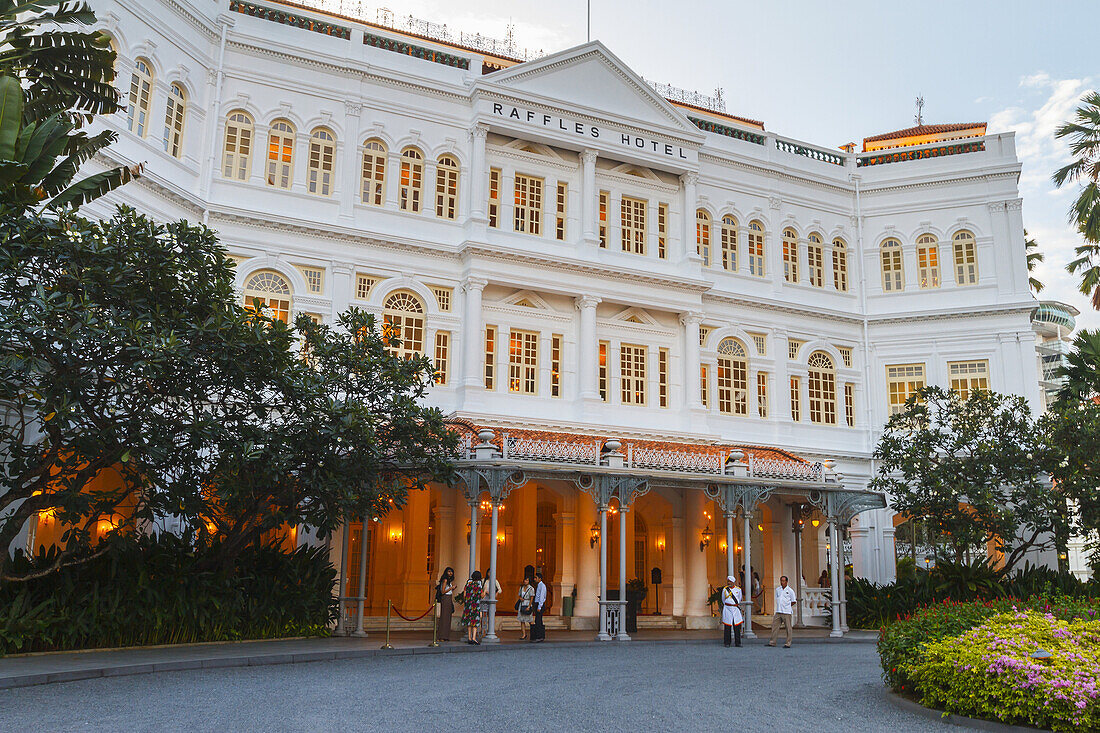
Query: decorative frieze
column 901, row 156
column 417, row 52
column 292, row 19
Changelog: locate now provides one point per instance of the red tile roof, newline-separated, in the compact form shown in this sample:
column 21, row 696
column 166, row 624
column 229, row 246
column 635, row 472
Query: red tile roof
column 721, row 449
column 924, row 130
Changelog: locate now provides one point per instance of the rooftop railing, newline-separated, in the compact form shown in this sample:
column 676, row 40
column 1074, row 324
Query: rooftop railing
column 292, row 19
column 903, row 155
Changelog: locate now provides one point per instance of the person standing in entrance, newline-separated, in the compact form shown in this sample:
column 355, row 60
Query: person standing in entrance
column 471, row 607
column 524, row 608
column 731, row 612
column 538, row 631
column 444, row 596
column 784, row 606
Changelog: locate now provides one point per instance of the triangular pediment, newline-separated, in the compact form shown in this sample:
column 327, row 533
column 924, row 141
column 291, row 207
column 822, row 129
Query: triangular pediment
column 637, row 316
column 591, row 77
column 526, row 299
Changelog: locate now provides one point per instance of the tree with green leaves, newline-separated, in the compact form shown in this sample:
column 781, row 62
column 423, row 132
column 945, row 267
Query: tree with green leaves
column 54, row 79
column 972, row 471
column 1034, row 257
column 1083, row 133
column 1081, row 369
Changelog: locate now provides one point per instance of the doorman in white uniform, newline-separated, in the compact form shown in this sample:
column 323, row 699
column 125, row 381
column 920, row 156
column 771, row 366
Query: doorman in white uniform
column 731, row 612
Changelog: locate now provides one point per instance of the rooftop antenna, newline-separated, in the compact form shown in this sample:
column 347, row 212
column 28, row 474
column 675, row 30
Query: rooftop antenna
column 919, row 117
column 589, row 32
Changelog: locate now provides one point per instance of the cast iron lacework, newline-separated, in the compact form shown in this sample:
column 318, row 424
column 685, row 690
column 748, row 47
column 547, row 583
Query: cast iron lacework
column 900, row 156
column 417, row 52
column 281, row 16
column 717, row 129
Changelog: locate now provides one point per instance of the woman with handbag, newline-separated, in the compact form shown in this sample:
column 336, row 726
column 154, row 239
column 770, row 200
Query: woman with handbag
column 444, row 596
column 525, row 607
column 471, row 607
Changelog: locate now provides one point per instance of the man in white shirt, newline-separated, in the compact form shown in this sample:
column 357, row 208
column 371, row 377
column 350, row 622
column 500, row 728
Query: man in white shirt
column 784, row 605
column 538, row 631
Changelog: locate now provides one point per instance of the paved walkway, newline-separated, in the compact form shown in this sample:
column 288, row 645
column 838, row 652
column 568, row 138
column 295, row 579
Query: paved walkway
column 655, row 685
column 37, row 669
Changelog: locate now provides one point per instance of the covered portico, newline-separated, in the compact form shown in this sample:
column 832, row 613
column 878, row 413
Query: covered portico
column 734, row 484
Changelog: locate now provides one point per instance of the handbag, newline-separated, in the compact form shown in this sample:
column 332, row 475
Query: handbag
column 517, row 605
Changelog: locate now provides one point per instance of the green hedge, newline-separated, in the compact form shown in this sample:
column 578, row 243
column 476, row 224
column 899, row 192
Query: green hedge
column 154, row 590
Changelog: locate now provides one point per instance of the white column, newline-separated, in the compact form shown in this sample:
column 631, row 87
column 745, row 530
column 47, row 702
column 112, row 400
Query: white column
column 603, row 635
column 479, row 175
column 349, row 170
column 587, row 366
column 730, row 547
column 834, row 586
column 341, row 289
column 473, row 535
column 688, row 187
column 472, row 328
column 623, row 509
column 362, row 579
column 587, row 581
column 491, row 633
column 746, row 538
column 796, row 529
column 393, row 179
column 588, row 197
column 691, row 321
column 652, row 378
column 346, row 531
column 695, row 590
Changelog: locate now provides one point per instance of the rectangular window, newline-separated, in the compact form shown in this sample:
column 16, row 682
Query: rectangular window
column 523, row 362
column 363, row 285
column 632, row 374
column 662, row 377
column 796, row 400
column 603, row 371
column 704, row 331
column 314, row 277
column 903, row 380
column 555, row 365
column 849, row 404
column 494, row 197
column 793, row 345
column 756, row 249
column 443, row 297
column 815, row 263
column 604, row 196
column 490, row 357
column 662, row 230
column 704, row 386
column 562, row 202
column 968, row 377
column 845, row 355
column 633, row 227
column 762, row 393
column 761, row 343
column 528, row 209
column 442, row 348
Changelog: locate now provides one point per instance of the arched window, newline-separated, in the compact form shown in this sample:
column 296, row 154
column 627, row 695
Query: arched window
column 412, row 180
column 815, row 260
column 893, row 276
column 840, row 265
column 238, row 146
column 702, row 236
column 733, row 377
column 173, row 120
column 928, row 261
column 269, row 293
column 322, row 156
column 403, row 321
column 446, row 187
column 966, row 259
column 790, row 256
column 729, row 243
column 821, row 384
column 756, row 248
column 280, row 154
column 141, row 90
column 374, row 173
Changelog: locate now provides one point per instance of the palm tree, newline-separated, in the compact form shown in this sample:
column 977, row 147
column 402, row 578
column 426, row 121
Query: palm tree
column 1082, row 368
column 1034, row 257
column 1087, row 264
column 52, row 83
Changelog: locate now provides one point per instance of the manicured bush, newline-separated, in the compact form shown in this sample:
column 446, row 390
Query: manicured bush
column 160, row 590
column 989, row 672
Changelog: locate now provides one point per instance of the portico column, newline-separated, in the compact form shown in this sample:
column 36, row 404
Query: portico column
column 588, row 197
column 349, row 170
column 688, row 185
column 343, row 577
column 796, row 528
column 471, row 333
column 696, row 610
column 478, row 175
column 362, row 578
column 603, row 635
column 587, row 582
column 490, row 633
column 746, row 537
column 473, row 535
column 691, row 321
column 586, row 347
column 842, row 582
column 834, row 586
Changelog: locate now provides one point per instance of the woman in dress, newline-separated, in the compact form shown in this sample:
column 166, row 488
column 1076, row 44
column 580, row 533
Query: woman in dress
column 757, row 593
column 471, row 607
column 445, row 591
column 525, row 610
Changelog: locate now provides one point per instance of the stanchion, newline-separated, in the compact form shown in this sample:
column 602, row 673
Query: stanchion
column 435, row 625
column 389, row 605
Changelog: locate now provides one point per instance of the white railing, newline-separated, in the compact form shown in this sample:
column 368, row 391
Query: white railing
column 815, row 602
column 674, row 460
column 559, row 451
column 793, row 470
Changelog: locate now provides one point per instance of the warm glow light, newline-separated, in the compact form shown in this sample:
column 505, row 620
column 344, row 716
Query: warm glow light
column 722, row 545
column 739, row 548
column 500, row 538
column 815, row 522
column 661, row 544
column 211, row 528
column 395, row 535
column 760, row 527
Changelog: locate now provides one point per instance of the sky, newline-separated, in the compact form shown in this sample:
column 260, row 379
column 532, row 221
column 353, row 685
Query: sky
column 829, row 73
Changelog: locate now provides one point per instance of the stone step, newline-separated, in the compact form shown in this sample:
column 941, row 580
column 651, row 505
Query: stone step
column 660, row 622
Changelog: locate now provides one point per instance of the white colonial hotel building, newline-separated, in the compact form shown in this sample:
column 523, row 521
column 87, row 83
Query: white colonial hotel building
column 662, row 328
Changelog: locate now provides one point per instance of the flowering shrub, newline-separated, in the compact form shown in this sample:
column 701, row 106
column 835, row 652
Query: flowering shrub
column 989, row 672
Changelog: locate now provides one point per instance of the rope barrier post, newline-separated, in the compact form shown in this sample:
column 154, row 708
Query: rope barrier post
column 389, row 605
column 435, row 627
